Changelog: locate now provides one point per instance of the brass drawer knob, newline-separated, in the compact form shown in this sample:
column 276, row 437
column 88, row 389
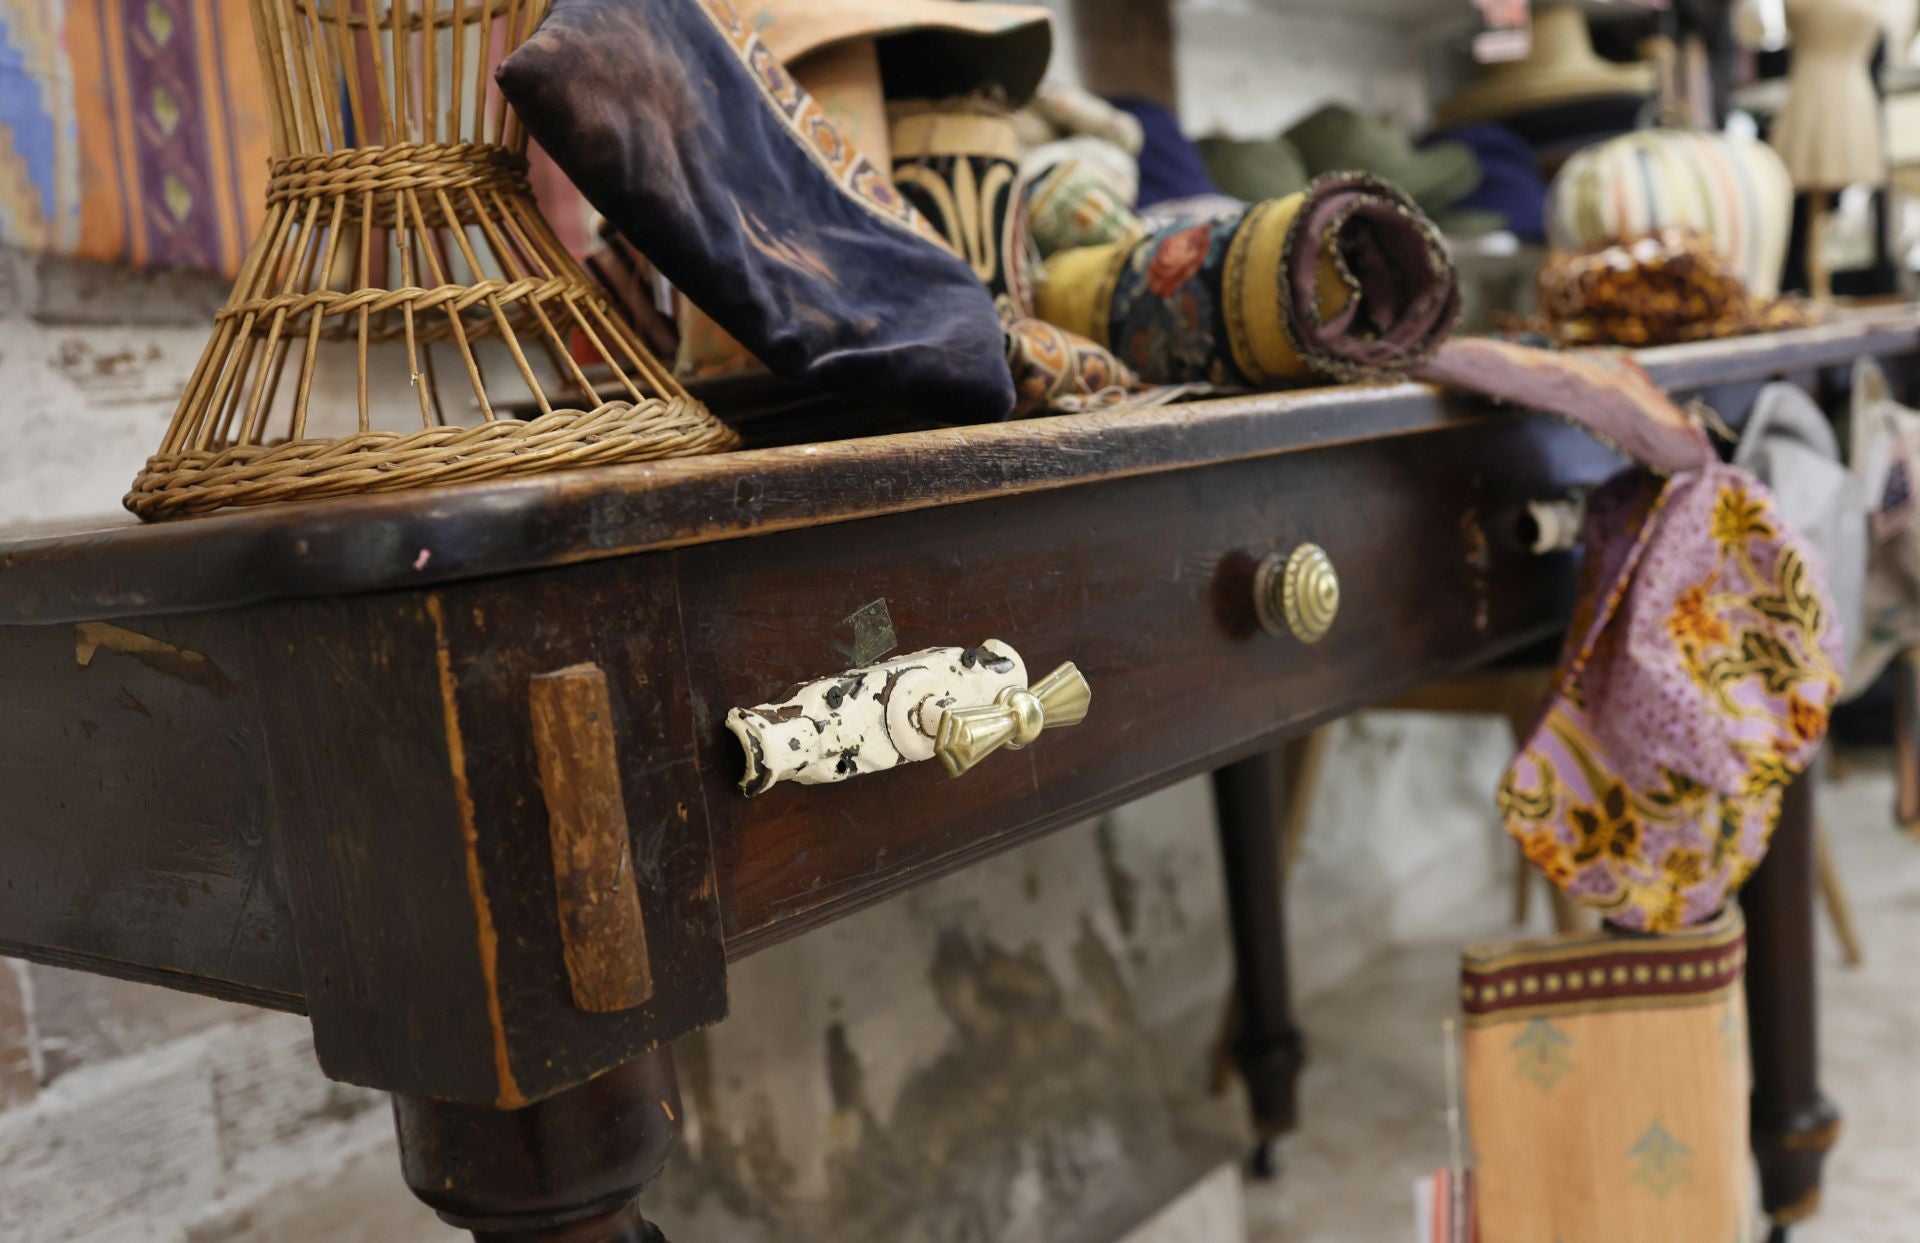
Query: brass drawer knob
column 1015, row 718
column 1298, row 594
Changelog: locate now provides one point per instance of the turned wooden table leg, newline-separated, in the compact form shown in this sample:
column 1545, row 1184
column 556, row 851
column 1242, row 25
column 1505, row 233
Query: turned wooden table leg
column 1793, row 1124
column 1265, row 1045
column 566, row 1170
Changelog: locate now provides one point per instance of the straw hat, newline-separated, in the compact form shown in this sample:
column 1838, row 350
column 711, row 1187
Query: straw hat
column 1562, row 67
column 929, row 49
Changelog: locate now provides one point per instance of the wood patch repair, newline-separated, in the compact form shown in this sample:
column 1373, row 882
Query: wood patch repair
column 602, row 930
column 164, row 658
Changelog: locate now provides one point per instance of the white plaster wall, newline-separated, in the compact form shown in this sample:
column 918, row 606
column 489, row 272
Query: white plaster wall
column 1251, row 68
column 92, row 359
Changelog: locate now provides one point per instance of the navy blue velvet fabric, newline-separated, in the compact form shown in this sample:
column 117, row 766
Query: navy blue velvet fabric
column 1510, row 181
column 683, row 130
column 1170, row 165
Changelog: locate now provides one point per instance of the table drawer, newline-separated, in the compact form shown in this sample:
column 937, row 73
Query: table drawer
column 1147, row 585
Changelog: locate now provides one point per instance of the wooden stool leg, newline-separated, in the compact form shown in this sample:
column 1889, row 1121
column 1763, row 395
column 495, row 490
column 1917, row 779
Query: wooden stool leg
column 1302, row 759
column 1793, row 1124
column 1833, row 891
column 1906, row 740
column 1265, row 1044
column 1522, row 888
column 1569, row 915
column 566, row 1170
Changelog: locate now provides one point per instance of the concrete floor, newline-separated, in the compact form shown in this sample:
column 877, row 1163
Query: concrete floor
column 1374, row 1094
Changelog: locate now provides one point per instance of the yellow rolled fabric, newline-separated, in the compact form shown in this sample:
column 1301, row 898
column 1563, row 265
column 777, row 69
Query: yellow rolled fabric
column 1076, row 292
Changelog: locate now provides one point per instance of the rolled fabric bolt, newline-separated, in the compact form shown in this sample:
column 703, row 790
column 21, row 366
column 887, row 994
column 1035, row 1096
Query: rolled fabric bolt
column 1346, row 279
column 958, row 163
column 871, row 719
column 1071, row 205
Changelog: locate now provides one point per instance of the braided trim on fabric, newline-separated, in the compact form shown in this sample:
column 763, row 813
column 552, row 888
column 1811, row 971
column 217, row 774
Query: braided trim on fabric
column 195, row 482
column 807, row 122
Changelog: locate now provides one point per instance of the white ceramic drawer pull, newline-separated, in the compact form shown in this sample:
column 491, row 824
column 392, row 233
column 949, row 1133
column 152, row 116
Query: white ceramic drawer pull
column 960, row 703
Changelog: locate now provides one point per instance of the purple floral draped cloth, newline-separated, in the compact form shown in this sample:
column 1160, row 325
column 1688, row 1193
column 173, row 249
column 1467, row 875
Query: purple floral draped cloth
column 1696, row 682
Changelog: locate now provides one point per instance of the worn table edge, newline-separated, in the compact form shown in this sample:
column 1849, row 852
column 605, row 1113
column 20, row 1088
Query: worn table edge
column 404, row 540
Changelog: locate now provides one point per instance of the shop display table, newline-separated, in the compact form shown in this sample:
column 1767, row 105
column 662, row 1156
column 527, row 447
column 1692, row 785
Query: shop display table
column 449, row 773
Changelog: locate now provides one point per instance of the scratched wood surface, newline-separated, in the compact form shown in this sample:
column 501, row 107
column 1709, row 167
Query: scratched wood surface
column 409, row 813
column 134, row 806
column 409, row 540
column 1146, row 584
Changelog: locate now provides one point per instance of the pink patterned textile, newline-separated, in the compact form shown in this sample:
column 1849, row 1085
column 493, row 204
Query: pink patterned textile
column 1695, row 683
column 1604, row 391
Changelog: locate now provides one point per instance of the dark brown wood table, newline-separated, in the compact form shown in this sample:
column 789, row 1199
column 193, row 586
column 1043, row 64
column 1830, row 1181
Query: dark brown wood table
column 316, row 758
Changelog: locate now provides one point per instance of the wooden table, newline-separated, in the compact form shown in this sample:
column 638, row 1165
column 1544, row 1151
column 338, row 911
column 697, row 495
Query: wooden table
column 290, row 757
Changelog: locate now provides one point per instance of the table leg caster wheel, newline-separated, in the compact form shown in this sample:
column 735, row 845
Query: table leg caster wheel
column 1263, row 1163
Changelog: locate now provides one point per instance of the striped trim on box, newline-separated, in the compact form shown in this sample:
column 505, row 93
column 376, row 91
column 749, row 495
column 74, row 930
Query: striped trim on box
column 1515, row 980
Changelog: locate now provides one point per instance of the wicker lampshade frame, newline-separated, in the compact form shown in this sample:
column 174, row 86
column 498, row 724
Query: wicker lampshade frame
column 399, row 217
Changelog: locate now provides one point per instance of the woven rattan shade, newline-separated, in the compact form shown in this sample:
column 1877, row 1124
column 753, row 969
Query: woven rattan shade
column 401, row 240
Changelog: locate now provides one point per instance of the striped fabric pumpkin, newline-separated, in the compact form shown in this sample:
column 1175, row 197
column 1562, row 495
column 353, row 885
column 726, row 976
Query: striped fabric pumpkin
column 1733, row 191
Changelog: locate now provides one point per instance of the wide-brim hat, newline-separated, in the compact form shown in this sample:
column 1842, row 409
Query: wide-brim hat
column 1337, row 137
column 1561, row 68
column 1254, row 169
column 929, row 49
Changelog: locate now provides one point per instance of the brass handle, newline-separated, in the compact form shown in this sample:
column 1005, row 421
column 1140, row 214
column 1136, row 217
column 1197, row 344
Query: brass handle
column 1014, row 719
column 1298, row 594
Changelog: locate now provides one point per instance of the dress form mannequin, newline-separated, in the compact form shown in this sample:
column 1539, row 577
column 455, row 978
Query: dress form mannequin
column 1829, row 131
